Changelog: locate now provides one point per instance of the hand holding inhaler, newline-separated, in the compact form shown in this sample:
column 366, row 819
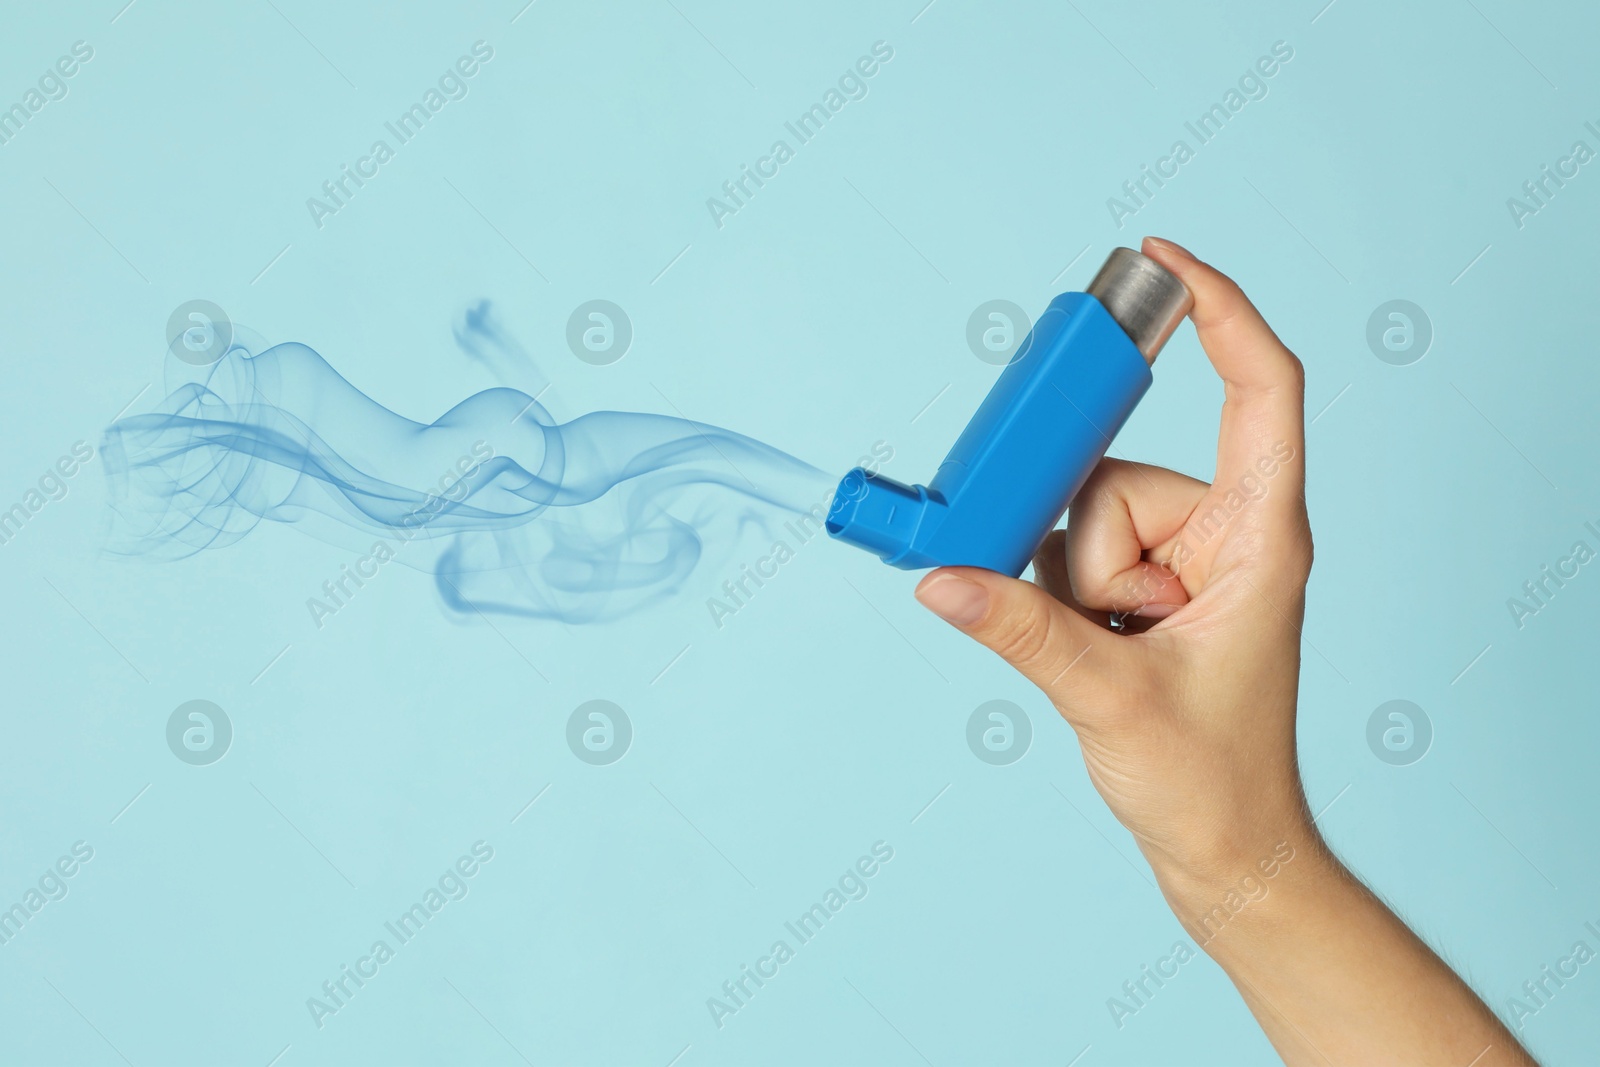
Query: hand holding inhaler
column 1186, row 718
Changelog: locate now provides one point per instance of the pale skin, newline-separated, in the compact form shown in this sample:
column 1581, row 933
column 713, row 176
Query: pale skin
column 1186, row 718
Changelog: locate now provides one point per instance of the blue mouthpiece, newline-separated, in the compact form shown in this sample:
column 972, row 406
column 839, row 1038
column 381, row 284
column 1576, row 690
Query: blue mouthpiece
column 1035, row 439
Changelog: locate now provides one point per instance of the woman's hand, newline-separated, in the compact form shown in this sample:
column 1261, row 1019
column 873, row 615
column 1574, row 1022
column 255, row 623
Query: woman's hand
column 1187, row 719
column 1188, row 727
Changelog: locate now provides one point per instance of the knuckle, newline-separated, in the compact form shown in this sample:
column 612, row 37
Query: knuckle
column 1295, row 372
column 1099, row 492
column 1305, row 555
column 1024, row 637
column 1107, row 471
column 1293, row 557
column 1086, row 589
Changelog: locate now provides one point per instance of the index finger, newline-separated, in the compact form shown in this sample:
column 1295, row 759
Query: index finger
column 1264, row 410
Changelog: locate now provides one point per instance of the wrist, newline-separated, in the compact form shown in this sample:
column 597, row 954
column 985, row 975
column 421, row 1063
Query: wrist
column 1246, row 883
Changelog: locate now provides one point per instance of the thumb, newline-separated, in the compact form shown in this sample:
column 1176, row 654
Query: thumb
column 1066, row 655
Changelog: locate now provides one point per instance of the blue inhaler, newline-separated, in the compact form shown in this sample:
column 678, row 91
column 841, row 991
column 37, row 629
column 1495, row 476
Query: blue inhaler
column 1035, row 439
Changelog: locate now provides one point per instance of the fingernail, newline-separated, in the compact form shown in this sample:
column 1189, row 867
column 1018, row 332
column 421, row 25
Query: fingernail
column 955, row 600
column 1162, row 242
column 1154, row 611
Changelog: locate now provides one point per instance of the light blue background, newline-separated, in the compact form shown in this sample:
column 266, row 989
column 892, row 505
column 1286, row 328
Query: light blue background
column 822, row 718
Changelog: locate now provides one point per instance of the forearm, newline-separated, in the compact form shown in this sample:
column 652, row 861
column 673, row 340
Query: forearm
column 1333, row 976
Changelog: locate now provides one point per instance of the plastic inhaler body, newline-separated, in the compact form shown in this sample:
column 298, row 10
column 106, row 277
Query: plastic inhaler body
column 1036, row 438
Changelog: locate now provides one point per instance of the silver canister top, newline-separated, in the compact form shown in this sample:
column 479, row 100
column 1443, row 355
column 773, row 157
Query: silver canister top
column 1144, row 298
